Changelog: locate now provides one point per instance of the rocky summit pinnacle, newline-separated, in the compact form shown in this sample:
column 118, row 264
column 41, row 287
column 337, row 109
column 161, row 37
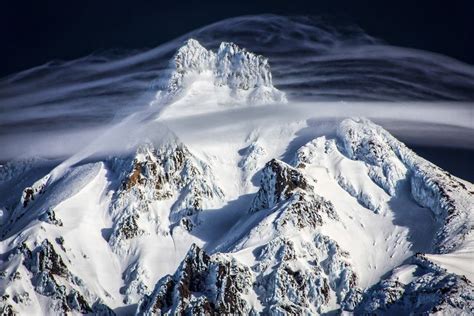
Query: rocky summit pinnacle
column 231, row 66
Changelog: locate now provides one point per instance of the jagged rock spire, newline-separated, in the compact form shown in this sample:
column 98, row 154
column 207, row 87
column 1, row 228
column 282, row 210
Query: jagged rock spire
column 231, row 66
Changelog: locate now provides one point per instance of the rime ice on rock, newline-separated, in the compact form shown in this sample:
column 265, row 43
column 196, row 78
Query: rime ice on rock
column 247, row 75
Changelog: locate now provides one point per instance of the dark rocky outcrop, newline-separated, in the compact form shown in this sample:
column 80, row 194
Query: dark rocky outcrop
column 202, row 285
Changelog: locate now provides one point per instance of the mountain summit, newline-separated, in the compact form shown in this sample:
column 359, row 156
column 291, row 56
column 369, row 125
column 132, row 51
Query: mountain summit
column 232, row 70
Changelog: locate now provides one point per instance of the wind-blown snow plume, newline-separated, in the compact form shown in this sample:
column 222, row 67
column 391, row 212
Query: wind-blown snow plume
column 57, row 108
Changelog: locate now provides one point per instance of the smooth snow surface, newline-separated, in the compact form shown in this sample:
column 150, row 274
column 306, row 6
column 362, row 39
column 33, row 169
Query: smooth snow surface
column 459, row 262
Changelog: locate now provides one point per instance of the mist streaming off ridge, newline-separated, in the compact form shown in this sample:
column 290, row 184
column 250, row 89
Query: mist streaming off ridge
column 57, row 108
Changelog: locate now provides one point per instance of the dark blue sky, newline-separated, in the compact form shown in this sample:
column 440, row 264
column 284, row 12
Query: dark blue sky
column 34, row 32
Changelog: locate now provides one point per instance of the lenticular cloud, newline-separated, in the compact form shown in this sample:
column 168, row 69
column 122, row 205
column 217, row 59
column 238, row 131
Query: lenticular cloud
column 57, row 108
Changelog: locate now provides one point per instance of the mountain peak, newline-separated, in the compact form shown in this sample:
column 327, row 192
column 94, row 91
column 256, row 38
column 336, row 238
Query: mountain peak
column 247, row 75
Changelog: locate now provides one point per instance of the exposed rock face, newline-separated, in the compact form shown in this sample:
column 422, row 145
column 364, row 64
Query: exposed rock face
column 6, row 309
column 51, row 277
column 279, row 182
column 169, row 174
column 203, row 284
column 50, row 217
column 432, row 291
column 286, row 186
column 302, row 277
column 231, row 66
column 30, row 193
column 14, row 207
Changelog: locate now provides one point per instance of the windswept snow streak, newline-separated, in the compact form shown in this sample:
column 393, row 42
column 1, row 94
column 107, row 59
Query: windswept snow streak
column 56, row 109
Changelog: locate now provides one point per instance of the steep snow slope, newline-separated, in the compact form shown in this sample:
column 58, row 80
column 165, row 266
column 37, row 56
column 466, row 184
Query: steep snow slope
column 407, row 228
column 251, row 218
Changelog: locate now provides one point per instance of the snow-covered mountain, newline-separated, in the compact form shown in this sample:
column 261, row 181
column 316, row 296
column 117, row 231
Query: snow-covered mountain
column 244, row 220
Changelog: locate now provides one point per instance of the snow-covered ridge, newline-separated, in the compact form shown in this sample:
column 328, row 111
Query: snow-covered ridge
column 246, row 75
column 391, row 163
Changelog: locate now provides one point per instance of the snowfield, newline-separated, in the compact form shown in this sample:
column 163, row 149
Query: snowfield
column 293, row 216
